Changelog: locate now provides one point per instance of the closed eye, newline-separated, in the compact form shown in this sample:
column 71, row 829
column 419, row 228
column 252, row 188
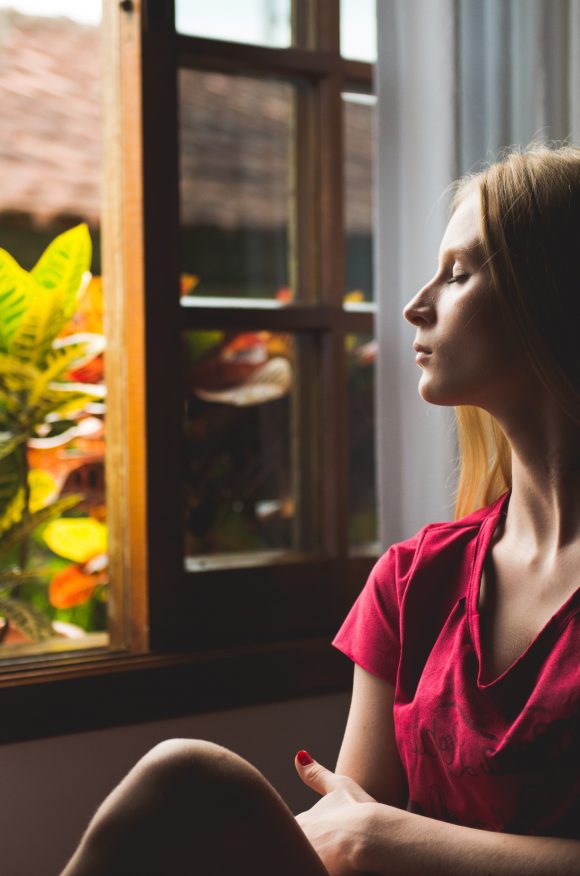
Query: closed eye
column 458, row 278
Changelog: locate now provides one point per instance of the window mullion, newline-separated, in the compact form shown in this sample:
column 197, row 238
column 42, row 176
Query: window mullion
column 123, row 287
column 161, row 257
column 333, row 397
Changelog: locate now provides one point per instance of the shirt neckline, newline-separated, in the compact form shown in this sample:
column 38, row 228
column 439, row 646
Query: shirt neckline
column 560, row 616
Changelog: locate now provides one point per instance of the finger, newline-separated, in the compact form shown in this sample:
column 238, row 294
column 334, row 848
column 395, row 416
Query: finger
column 314, row 774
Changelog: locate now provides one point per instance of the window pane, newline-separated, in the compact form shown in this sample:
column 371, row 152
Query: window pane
column 244, row 477
column 361, row 356
column 262, row 22
column 358, row 30
column 359, row 118
column 53, row 535
column 235, row 185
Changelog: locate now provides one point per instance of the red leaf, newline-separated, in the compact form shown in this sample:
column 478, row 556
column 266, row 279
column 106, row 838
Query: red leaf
column 70, row 587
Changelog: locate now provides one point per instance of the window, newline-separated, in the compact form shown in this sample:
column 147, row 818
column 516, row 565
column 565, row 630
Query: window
column 53, row 551
column 236, row 251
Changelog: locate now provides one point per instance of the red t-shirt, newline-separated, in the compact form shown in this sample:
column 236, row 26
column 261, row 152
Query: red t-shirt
column 502, row 754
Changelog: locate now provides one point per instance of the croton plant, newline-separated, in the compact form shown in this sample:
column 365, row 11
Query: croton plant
column 53, row 569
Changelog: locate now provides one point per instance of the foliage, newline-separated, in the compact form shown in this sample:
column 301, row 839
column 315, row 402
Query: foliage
column 41, row 399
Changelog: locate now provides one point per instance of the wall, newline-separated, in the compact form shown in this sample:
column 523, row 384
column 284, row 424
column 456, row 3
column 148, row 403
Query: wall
column 51, row 787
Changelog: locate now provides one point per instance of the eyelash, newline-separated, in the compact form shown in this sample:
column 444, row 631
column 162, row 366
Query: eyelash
column 457, row 279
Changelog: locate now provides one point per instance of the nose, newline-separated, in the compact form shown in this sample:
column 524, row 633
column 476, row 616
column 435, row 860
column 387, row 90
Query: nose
column 419, row 310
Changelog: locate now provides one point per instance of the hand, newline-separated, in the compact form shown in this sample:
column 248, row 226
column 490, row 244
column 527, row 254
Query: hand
column 336, row 826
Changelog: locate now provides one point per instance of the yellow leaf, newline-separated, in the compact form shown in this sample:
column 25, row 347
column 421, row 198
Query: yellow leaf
column 354, row 297
column 76, row 538
column 43, row 488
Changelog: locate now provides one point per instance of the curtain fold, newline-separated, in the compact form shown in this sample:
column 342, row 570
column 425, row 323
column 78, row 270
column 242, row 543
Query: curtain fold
column 457, row 81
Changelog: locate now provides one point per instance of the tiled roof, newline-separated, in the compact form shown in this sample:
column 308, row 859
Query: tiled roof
column 234, row 135
column 50, row 130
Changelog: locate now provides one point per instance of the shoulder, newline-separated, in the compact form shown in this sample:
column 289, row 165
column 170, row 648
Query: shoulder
column 437, row 549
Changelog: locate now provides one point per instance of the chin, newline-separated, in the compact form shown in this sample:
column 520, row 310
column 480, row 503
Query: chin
column 434, row 395
column 439, row 395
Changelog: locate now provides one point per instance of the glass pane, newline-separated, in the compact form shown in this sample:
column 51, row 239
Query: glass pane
column 358, row 30
column 359, row 119
column 53, row 535
column 262, row 22
column 235, row 185
column 242, row 466
column 361, row 357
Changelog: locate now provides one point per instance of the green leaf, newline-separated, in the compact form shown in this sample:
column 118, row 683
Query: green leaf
column 17, row 287
column 26, row 618
column 26, row 526
column 16, row 377
column 66, row 398
column 197, row 344
column 29, row 394
column 62, row 265
column 9, row 406
column 9, row 442
column 12, row 493
column 39, row 326
column 58, row 361
column 11, row 579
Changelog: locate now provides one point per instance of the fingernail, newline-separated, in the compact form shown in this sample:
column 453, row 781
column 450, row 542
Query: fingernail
column 304, row 758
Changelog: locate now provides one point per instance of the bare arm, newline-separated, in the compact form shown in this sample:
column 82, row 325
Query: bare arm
column 353, row 834
column 369, row 753
column 400, row 843
column 380, row 837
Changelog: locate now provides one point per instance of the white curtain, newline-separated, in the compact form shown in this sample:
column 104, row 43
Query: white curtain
column 457, row 80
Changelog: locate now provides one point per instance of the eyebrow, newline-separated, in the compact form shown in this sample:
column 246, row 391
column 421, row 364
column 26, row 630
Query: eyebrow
column 476, row 251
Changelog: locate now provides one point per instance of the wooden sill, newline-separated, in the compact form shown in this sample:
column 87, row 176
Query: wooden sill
column 89, row 693
column 13, row 657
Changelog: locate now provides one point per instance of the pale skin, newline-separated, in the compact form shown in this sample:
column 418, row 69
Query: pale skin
column 194, row 808
column 534, row 564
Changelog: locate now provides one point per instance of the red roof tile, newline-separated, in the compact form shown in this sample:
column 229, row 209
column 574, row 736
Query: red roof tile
column 234, row 134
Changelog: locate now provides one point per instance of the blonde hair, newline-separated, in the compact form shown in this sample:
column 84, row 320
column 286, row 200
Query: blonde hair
column 530, row 217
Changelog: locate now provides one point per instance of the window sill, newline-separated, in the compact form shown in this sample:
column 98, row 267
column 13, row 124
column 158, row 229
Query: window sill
column 90, row 693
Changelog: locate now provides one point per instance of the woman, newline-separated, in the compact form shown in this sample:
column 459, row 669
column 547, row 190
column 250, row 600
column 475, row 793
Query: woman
column 460, row 754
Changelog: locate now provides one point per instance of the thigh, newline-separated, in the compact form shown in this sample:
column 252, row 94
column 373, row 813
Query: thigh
column 191, row 807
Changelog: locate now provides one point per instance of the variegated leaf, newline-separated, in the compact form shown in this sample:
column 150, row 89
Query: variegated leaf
column 9, row 406
column 9, row 441
column 25, row 527
column 63, row 402
column 58, row 361
column 16, row 288
column 39, row 326
column 27, row 618
column 12, row 494
column 16, row 376
column 63, row 265
column 9, row 579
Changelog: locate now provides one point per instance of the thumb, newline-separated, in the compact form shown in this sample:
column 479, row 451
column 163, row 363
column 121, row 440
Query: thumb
column 314, row 774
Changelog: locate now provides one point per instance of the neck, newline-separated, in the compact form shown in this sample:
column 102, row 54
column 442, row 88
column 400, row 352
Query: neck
column 544, row 507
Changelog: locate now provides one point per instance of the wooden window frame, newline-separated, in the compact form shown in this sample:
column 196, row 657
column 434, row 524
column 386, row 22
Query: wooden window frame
column 173, row 650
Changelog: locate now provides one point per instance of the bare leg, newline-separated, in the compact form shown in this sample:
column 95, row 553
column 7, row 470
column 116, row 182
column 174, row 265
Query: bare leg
column 191, row 807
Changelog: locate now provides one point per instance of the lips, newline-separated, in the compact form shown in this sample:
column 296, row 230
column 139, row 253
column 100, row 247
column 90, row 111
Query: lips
column 419, row 348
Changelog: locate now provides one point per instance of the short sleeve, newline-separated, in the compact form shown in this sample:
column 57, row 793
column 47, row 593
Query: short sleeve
column 370, row 634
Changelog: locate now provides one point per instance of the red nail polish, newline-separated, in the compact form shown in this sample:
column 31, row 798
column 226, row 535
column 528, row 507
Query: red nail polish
column 304, row 758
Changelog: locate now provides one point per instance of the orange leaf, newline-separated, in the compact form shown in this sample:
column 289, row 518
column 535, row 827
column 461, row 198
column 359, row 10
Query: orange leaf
column 88, row 316
column 92, row 372
column 284, row 295
column 71, row 587
column 187, row 283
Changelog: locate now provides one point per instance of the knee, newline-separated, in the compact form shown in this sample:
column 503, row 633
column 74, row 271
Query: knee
column 180, row 783
column 193, row 775
column 179, row 760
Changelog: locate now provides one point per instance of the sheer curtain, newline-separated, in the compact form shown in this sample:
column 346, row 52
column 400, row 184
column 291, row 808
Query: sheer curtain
column 457, row 80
